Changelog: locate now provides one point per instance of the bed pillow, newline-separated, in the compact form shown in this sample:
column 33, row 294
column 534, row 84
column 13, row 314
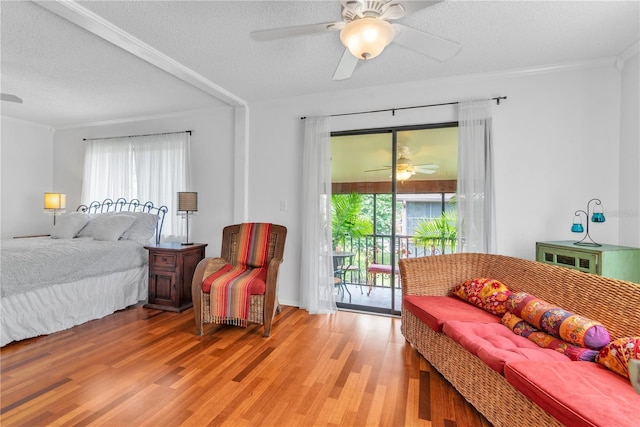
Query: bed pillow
column 94, row 223
column 617, row 353
column 488, row 294
column 143, row 228
column 68, row 225
column 113, row 227
column 560, row 323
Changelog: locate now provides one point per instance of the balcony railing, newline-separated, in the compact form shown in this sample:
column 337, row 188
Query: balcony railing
column 378, row 249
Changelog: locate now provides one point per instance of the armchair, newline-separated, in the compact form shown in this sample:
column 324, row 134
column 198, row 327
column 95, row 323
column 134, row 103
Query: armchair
column 238, row 249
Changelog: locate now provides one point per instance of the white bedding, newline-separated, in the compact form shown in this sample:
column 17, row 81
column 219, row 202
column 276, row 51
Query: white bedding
column 29, row 264
column 70, row 282
column 59, row 307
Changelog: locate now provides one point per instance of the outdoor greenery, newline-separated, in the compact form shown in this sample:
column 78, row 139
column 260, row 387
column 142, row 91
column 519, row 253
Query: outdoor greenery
column 353, row 231
column 439, row 231
column 353, row 215
column 352, row 228
column 383, row 205
column 347, row 219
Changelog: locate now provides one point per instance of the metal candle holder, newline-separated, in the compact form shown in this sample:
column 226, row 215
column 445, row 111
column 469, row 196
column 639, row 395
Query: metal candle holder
column 596, row 217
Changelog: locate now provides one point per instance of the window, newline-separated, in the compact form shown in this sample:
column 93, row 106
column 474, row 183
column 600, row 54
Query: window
column 148, row 168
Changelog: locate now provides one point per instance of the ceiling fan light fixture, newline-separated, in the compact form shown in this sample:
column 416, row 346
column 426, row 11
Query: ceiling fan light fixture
column 367, row 37
column 404, row 175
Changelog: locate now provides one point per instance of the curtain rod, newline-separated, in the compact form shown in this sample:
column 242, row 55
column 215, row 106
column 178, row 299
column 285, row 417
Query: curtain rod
column 393, row 110
column 134, row 136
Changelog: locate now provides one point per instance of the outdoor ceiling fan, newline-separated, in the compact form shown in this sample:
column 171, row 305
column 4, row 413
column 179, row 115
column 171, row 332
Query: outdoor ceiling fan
column 405, row 169
column 365, row 31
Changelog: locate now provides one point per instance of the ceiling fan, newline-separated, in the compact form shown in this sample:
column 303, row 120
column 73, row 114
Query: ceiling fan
column 365, row 31
column 10, row 98
column 405, row 169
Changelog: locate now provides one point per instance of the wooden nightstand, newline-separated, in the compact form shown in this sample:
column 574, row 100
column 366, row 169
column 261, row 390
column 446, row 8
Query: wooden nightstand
column 171, row 268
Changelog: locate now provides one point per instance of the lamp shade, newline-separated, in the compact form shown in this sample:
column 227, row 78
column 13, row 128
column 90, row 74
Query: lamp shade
column 55, row 201
column 187, row 201
column 367, row 37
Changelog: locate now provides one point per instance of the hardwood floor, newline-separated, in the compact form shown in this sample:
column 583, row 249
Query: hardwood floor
column 147, row 367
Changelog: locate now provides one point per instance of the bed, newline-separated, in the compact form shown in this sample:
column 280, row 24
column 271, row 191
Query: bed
column 93, row 264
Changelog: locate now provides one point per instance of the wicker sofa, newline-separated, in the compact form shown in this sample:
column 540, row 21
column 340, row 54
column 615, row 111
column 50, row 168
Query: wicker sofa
column 614, row 303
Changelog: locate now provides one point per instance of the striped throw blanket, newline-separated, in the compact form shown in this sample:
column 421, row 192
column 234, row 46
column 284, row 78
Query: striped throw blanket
column 231, row 286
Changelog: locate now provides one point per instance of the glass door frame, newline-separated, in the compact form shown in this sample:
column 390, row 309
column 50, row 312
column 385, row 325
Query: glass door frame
column 393, row 130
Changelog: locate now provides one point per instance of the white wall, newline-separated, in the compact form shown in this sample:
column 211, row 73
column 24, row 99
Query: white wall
column 26, row 151
column 556, row 146
column 629, row 207
column 211, row 162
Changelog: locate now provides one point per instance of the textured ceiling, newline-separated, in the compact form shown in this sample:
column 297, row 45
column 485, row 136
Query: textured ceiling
column 68, row 76
column 65, row 74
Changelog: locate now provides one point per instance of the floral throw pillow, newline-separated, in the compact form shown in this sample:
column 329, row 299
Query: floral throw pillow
column 617, row 353
column 489, row 294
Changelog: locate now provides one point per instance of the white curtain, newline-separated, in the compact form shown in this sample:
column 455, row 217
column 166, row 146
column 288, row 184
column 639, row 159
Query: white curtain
column 162, row 169
column 316, row 276
column 476, row 216
column 109, row 170
column 148, row 168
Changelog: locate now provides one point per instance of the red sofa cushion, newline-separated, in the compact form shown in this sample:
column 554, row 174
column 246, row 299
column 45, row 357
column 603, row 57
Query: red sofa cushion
column 496, row 345
column 435, row 310
column 577, row 393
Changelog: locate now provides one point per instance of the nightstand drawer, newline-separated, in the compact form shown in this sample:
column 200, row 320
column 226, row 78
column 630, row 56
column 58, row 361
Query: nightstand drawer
column 163, row 260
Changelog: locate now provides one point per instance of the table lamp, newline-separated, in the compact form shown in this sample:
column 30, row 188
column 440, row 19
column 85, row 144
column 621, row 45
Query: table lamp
column 54, row 203
column 187, row 204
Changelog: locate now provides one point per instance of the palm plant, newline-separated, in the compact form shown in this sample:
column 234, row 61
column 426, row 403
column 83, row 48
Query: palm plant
column 438, row 231
column 347, row 219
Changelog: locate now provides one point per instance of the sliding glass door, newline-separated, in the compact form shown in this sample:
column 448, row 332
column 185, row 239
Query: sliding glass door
column 393, row 197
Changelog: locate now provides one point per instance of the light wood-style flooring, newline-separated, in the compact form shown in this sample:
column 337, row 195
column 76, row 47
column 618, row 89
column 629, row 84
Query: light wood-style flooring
column 142, row 367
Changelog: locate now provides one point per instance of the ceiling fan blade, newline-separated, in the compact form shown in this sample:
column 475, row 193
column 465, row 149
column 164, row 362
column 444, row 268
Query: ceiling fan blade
column 346, row 66
column 425, row 171
column 301, row 30
column 377, row 170
column 10, row 98
column 398, row 9
column 428, row 170
column 424, row 43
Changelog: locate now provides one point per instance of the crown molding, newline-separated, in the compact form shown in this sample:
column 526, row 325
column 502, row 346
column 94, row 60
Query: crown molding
column 84, row 18
column 141, row 118
column 607, row 62
column 628, row 53
column 528, row 71
column 52, row 129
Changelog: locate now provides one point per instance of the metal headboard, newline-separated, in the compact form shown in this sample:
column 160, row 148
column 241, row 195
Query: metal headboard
column 122, row 205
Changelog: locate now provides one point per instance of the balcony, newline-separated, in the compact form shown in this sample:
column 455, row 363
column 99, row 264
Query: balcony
column 378, row 290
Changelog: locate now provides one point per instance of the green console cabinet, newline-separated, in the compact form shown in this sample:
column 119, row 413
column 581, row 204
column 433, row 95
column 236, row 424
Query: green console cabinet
column 616, row 262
